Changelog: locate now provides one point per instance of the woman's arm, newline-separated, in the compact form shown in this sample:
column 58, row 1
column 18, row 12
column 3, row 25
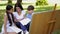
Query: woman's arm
column 15, row 19
column 5, row 23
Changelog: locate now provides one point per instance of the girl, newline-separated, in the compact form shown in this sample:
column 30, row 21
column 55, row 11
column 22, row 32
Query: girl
column 9, row 21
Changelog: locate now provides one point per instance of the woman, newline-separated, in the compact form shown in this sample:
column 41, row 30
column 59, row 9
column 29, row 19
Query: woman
column 19, row 15
column 23, row 12
column 9, row 21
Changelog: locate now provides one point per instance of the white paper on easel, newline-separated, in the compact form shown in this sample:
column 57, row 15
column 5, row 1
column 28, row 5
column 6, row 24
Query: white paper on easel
column 25, row 21
column 16, row 29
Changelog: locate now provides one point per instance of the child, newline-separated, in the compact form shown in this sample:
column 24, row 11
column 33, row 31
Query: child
column 8, row 21
column 30, row 11
column 29, row 15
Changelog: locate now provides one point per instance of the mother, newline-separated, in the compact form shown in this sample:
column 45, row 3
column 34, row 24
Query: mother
column 19, row 15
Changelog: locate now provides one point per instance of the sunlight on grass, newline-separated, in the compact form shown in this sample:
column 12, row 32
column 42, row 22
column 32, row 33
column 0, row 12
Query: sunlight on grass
column 2, row 7
column 52, row 2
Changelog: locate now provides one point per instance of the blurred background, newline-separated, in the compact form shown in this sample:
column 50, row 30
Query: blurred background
column 40, row 6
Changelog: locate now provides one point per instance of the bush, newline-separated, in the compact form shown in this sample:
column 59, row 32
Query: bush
column 41, row 2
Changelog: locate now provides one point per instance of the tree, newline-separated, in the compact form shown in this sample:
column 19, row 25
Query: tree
column 10, row 2
column 19, row 1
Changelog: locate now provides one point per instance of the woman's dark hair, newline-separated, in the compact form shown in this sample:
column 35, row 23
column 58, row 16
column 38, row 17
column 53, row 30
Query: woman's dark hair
column 30, row 7
column 18, row 5
column 9, row 7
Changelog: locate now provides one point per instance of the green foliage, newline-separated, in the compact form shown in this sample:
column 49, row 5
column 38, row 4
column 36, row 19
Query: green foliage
column 41, row 2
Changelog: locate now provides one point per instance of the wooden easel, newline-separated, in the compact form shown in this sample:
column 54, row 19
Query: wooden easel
column 52, row 21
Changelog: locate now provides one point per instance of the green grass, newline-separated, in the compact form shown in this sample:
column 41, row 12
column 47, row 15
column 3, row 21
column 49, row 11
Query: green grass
column 1, row 18
column 56, row 32
column 4, row 4
column 14, row 4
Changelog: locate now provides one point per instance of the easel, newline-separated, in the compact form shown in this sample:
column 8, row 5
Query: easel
column 52, row 21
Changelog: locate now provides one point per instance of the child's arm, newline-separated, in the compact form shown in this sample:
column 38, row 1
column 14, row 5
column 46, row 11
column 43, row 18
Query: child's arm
column 5, row 23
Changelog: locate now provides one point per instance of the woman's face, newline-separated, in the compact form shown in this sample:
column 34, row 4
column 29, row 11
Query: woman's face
column 10, row 11
column 18, row 9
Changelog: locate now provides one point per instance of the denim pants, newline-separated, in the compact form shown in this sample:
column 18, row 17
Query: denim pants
column 23, row 27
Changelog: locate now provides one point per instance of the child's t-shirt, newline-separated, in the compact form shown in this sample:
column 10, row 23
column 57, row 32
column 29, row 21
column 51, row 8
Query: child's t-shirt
column 29, row 16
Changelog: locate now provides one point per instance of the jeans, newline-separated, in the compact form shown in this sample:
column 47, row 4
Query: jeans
column 23, row 27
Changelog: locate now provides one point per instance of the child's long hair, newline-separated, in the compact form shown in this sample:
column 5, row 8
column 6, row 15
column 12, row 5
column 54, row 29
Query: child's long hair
column 8, row 8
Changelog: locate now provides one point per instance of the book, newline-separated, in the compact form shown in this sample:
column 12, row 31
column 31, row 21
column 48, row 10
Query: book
column 25, row 21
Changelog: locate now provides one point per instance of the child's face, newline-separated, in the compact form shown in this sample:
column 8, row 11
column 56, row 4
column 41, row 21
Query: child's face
column 30, row 11
column 10, row 11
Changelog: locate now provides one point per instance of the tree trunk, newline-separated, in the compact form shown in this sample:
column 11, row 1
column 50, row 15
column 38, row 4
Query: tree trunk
column 10, row 2
column 19, row 1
